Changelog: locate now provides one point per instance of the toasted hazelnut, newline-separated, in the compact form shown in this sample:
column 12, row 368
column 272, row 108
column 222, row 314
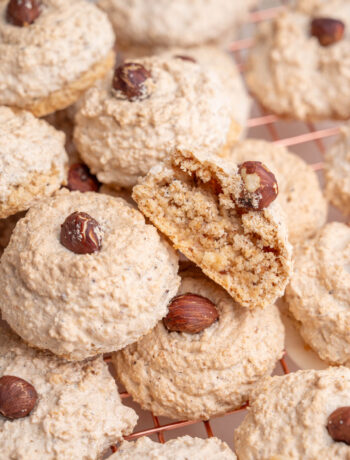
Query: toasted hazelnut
column 17, row 397
column 129, row 81
column 327, row 30
column 190, row 313
column 22, row 12
column 80, row 178
column 338, row 425
column 260, row 186
column 81, row 234
column 185, row 58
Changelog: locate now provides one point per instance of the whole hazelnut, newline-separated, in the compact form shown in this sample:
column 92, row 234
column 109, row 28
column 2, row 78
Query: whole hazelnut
column 338, row 425
column 22, row 12
column 81, row 234
column 327, row 30
column 80, row 178
column 190, row 313
column 260, row 187
column 129, row 81
column 17, row 397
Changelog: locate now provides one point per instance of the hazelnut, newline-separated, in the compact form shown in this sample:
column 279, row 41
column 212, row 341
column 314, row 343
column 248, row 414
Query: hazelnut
column 17, row 397
column 185, row 58
column 190, row 313
column 80, row 178
column 338, row 425
column 260, row 186
column 22, row 12
column 129, row 79
column 81, row 234
column 327, row 30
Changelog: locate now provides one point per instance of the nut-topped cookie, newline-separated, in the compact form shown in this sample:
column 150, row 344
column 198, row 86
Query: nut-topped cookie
column 300, row 195
column 299, row 66
column 303, row 415
column 224, row 218
column 126, row 125
column 150, row 23
column 318, row 294
column 201, row 360
column 337, row 172
column 84, row 274
column 176, row 449
column 51, row 52
column 33, row 160
column 56, row 410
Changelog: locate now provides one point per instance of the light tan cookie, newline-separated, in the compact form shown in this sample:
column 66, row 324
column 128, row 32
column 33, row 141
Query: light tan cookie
column 299, row 66
column 292, row 417
column 47, row 64
column 80, row 304
column 77, row 411
column 318, row 294
column 6, row 229
column 300, row 195
column 125, row 129
column 32, row 160
column 337, row 172
column 189, row 367
column 176, row 449
column 222, row 222
column 222, row 63
column 150, row 23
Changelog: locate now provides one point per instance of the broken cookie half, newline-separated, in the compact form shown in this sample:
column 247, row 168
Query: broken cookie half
column 223, row 217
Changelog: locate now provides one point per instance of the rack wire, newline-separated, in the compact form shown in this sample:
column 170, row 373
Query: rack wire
column 269, row 122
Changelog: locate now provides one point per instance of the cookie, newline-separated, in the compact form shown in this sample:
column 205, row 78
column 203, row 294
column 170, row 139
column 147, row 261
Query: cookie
column 299, row 66
column 47, row 64
column 75, row 410
column 126, row 126
column 150, row 23
column 189, row 367
column 318, row 294
column 337, row 172
column 222, row 63
column 176, row 449
column 300, row 195
column 293, row 417
column 32, row 160
column 6, row 228
column 83, row 274
column 210, row 212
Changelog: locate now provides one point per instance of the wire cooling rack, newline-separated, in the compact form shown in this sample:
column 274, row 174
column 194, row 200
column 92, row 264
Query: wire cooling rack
column 268, row 126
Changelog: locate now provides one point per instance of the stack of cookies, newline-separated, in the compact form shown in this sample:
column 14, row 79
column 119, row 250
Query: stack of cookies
column 136, row 221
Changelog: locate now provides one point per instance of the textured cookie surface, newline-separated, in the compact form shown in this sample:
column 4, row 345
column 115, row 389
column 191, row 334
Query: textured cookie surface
column 318, row 294
column 292, row 74
column 337, row 171
column 300, row 195
column 78, row 413
column 222, row 63
column 194, row 200
column 165, row 23
column 65, row 41
column 120, row 140
column 197, row 376
column 176, row 449
column 32, row 160
column 288, row 417
column 79, row 305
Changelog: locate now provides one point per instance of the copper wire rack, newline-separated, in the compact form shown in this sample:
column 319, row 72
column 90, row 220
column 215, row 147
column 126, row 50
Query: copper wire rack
column 274, row 130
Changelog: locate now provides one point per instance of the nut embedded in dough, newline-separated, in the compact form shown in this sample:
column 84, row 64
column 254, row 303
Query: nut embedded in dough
column 190, row 313
column 22, row 12
column 129, row 80
column 327, row 30
column 80, row 179
column 17, row 397
column 81, row 233
column 338, row 425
